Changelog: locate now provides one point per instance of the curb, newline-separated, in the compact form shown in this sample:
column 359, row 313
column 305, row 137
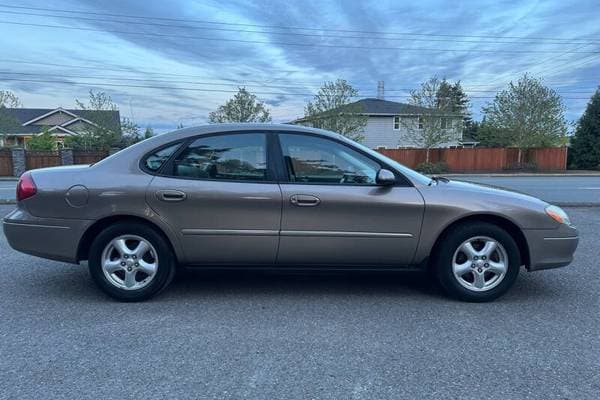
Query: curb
column 577, row 205
column 580, row 175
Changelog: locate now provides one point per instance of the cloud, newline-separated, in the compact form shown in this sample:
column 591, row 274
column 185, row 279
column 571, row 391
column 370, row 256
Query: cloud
column 115, row 49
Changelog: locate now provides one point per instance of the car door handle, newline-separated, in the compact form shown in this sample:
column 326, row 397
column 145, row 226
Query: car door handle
column 304, row 200
column 170, row 195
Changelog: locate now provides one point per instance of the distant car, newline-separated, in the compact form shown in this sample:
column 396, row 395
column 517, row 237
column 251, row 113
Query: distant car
column 278, row 196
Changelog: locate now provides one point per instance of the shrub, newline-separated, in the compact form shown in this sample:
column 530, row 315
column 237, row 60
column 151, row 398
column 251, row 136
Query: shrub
column 432, row 168
column 523, row 167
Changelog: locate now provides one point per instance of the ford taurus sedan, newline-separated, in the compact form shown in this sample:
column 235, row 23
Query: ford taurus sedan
column 278, row 196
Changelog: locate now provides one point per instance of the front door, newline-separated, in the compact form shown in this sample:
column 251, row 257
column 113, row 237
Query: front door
column 220, row 197
column 334, row 213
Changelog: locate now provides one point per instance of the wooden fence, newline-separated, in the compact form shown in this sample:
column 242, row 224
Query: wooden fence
column 88, row 157
column 42, row 159
column 6, row 165
column 482, row 159
column 479, row 159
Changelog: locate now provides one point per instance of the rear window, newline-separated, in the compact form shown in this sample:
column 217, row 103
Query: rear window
column 156, row 160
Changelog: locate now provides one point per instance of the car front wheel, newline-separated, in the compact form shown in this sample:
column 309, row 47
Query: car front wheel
column 131, row 261
column 477, row 262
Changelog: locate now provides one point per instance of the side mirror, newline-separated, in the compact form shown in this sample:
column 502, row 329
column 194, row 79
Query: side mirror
column 385, row 177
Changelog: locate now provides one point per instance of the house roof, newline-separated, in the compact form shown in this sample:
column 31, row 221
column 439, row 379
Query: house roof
column 24, row 115
column 378, row 106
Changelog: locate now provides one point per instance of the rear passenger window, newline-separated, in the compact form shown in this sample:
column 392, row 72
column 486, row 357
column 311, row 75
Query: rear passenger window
column 237, row 157
column 156, row 160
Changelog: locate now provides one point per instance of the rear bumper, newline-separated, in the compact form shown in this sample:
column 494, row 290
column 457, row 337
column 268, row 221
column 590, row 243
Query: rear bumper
column 551, row 248
column 55, row 239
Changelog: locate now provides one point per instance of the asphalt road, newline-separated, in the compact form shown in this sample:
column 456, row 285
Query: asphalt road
column 554, row 189
column 301, row 336
column 566, row 190
column 7, row 190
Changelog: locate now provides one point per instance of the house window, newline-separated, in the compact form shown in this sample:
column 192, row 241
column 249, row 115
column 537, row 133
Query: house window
column 396, row 122
column 446, row 123
column 420, row 122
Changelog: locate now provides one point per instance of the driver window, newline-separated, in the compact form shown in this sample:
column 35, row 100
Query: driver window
column 310, row 159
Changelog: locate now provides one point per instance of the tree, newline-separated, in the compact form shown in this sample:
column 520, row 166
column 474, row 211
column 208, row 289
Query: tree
column 148, row 133
column 43, row 141
column 7, row 122
column 130, row 133
column 585, row 144
column 9, row 100
column 333, row 109
column 243, row 107
column 526, row 114
column 434, row 100
column 104, row 133
column 452, row 98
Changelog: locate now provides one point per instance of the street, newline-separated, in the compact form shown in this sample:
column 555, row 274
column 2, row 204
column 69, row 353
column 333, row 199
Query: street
column 327, row 336
column 565, row 190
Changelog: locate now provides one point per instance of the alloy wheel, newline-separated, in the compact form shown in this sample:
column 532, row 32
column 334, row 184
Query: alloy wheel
column 129, row 262
column 480, row 263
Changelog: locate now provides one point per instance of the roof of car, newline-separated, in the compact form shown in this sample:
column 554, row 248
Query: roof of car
column 247, row 127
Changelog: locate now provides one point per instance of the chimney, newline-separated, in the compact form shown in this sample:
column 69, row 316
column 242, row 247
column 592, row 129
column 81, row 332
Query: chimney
column 380, row 90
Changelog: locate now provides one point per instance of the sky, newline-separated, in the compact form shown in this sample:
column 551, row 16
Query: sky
column 169, row 63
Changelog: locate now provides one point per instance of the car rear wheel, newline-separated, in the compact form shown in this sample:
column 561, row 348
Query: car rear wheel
column 131, row 261
column 477, row 262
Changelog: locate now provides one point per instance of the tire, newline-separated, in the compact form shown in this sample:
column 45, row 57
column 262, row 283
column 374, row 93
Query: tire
column 119, row 272
column 475, row 273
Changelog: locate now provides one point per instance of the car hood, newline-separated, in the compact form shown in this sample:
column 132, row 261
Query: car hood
column 489, row 190
column 457, row 199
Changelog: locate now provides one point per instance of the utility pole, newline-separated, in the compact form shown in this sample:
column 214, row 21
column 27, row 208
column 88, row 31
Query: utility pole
column 380, row 90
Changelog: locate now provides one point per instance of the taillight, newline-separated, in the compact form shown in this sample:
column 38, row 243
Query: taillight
column 26, row 187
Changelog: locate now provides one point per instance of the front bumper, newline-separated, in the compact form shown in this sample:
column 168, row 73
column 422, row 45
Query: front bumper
column 551, row 248
column 55, row 239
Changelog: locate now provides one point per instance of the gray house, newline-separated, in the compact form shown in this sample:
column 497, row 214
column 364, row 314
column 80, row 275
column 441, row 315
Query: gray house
column 18, row 125
column 391, row 124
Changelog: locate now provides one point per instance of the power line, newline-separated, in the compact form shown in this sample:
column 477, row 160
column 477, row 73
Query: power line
column 122, row 68
column 313, row 35
column 290, row 27
column 300, row 45
column 47, row 75
column 100, row 84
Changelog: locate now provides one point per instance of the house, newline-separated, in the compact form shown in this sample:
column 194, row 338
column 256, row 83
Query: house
column 391, row 124
column 18, row 125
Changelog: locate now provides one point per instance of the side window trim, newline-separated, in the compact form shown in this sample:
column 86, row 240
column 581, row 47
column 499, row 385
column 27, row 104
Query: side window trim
column 286, row 178
column 142, row 163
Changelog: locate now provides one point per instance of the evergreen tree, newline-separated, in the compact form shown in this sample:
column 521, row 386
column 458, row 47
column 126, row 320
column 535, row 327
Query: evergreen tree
column 149, row 132
column 452, row 98
column 585, row 145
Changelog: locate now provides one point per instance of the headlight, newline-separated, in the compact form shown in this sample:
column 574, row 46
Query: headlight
column 557, row 214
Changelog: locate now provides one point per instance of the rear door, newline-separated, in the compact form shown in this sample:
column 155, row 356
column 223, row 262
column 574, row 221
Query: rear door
column 219, row 194
column 335, row 214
